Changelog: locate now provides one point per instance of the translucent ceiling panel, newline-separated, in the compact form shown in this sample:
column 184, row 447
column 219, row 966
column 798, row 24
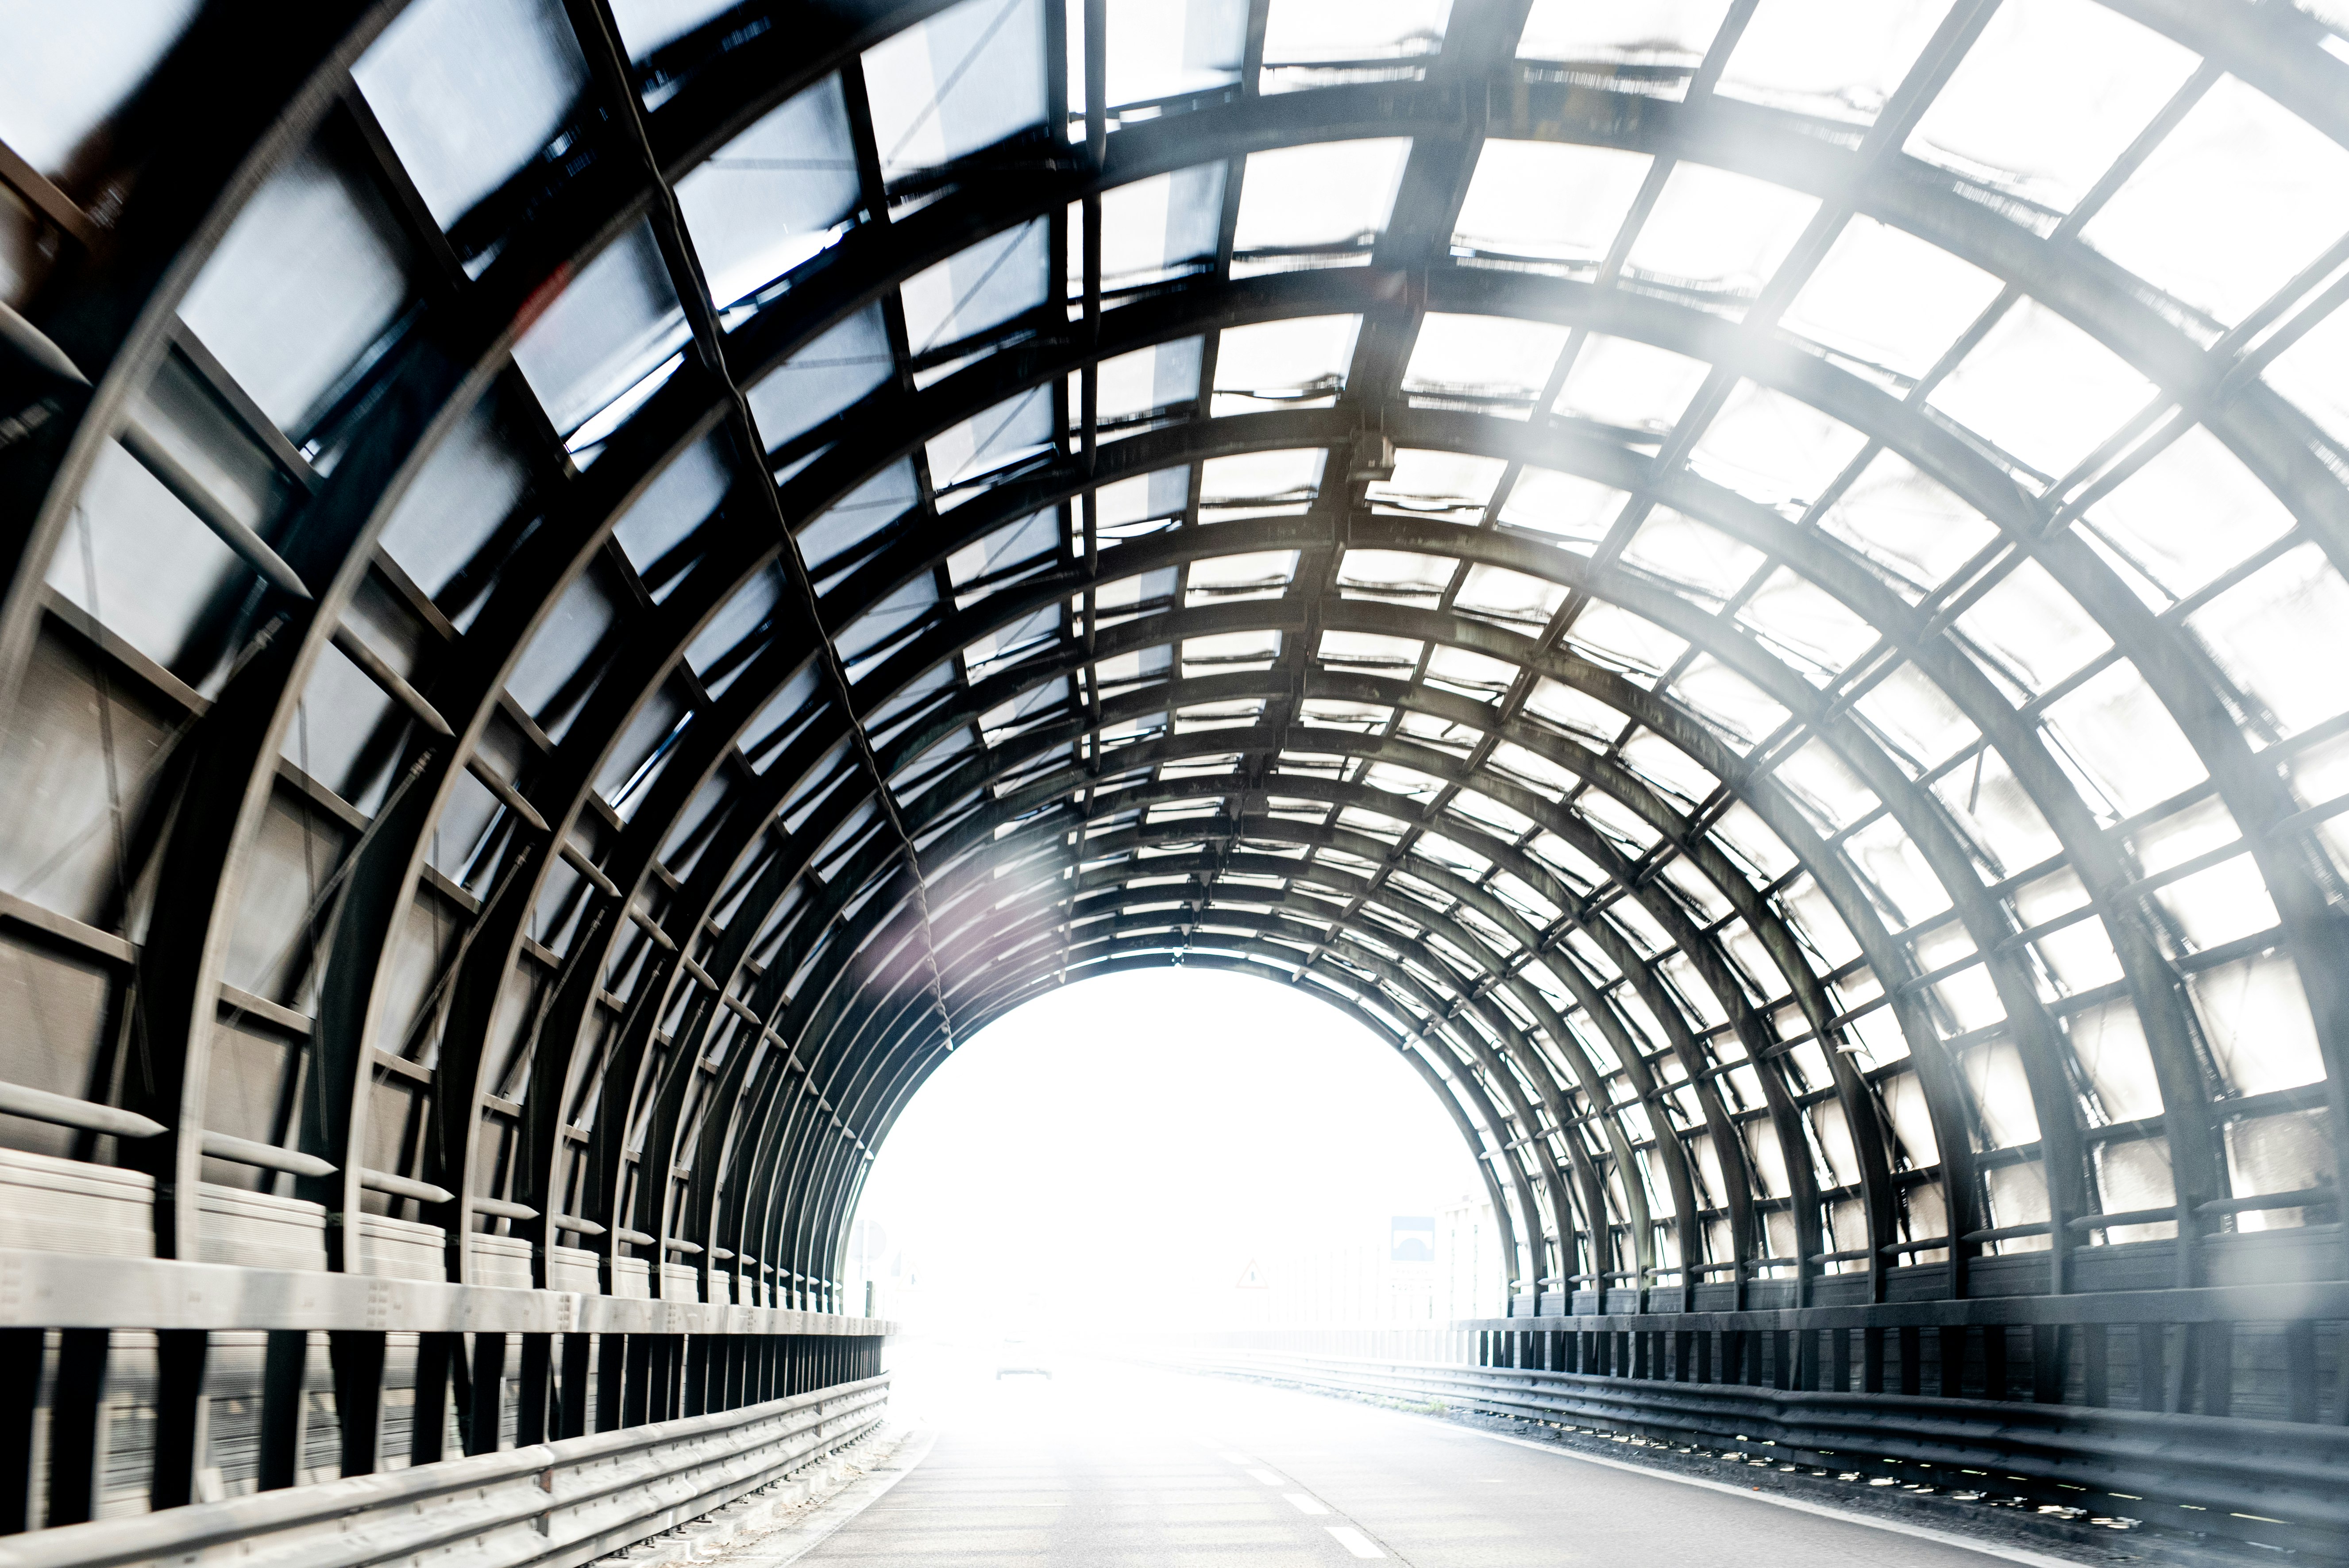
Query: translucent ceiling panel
column 823, row 379
column 1887, row 298
column 1300, row 35
column 1548, row 200
column 1837, row 58
column 2042, row 389
column 2314, row 373
column 773, row 196
column 1719, row 231
column 1149, row 380
column 1635, row 385
column 1501, row 362
column 1577, row 510
column 1017, row 428
column 1153, row 229
column 1649, row 33
column 963, row 79
column 675, row 504
column 2049, row 95
column 67, row 67
column 1161, row 49
column 468, row 484
column 1260, row 482
column 615, row 323
column 1773, row 448
column 306, row 278
column 1300, row 361
column 646, row 24
column 1327, row 196
column 1451, row 485
column 2188, row 515
column 468, row 91
column 1912, row 529
column 2240, row 196
column 1003, row 276
column 833, row 534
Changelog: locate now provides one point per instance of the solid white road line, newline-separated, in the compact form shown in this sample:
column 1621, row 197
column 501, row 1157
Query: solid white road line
column 1354, row 1540
column 1304, row 1504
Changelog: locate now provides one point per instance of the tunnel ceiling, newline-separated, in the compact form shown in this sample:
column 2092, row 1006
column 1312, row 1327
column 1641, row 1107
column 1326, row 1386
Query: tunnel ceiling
column 1754, row 587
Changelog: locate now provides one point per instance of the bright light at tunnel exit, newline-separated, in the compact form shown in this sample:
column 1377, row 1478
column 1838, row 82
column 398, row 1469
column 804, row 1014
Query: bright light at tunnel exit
column 1137, row 1142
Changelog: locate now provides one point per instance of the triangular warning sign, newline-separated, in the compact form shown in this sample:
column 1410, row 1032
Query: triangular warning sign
column 1251, row 1278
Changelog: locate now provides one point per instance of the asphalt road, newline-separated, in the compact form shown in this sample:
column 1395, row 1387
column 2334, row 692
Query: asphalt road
column 1103, row 1466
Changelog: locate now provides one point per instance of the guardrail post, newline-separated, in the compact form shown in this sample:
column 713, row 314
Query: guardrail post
column 486, row 1416
column 1997, row 1381
column 2216, row 1351
column 2152, row 1376
column 638, row 1388
column 283, row 1404
column 357, row 1356
column 572, row 1404
column 2051, row 1362
column 697, row 1374
column 532, row 1390
column 1871, row 1361
column 1912, row 1360
column 611, row 1381
column 429, row 1426
column 2095, row 1366
column 1950, row 1383
column 77, row 1409
column 21, row 1353
column 1839, row 1359
column 2299, row 1370
column 179, row 1402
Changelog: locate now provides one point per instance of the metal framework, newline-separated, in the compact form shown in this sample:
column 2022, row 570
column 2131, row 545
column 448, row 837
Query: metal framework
column 593, row 586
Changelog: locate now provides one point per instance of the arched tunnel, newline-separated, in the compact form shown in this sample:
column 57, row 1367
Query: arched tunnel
column 592, row 586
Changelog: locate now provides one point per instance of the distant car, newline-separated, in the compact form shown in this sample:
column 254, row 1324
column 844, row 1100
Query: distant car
column 1019, row 1357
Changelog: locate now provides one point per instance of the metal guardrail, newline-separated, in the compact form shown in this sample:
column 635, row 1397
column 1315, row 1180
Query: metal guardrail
column 551, row 1504
column 2275, row 1485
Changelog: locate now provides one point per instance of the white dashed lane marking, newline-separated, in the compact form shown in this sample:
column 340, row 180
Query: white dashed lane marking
column 1304, row 1504
column 1354, row 1540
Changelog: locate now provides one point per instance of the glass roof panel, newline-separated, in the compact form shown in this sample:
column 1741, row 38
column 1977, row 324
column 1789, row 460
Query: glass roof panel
column 1260, row 482
column 1325, row 196
column 1692, row 555
column 1622, row 381
column 1160, row 377
column 1836, row 58
column 963, row 79
column 1488, row 356
column 1455, row 485
column 1304, row 33
column 1014, row 428
column 646, row 24
column 1153, row 229
column 306, row 278
column 1300, row 361
column 468, row 91
column 1912, row 526
column 2115, row 727
column 1567, row 505
column 67, row 67
column 2042, row 389
column 1773, row 448
column 773, row 196
column 1157, row 50
column 2188, row 515
column 853, row 519
column 1548, row 199
column 1885, row 297
column 2314, row 373
column 827, row 376
column 2240, row 196
column 616, row 322
column 675, row 504
column 2282, row 636
column 2033, row 632
column 2049, row 95
column 1668, row 33
column 1719, row 230
column 1003, row 276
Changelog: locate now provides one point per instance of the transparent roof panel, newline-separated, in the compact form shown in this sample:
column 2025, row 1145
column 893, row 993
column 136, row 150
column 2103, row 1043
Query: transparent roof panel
column 468, row 91
column 1839, row 59
column 1887, row 298
column 1548, row 200
column 1153, row 229
column 2042, row 389
column 1485, row 356
column 617, row 321
column 1623, row 382
column 1283, row 363
column 1003, row 276
column 773, row 196
column 823, row 379
column 1161, row 50
column 1652, row 33
column 2048, row 96
column 1568, row 505
column 964, row 78
column 1329, row 195
column 2240, row 196
column 1719, row 230
column 67, row 67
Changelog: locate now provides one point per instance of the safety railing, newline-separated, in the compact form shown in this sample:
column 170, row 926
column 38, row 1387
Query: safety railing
column 2276, row 1484
column 561, row 1503
column 137, row 1384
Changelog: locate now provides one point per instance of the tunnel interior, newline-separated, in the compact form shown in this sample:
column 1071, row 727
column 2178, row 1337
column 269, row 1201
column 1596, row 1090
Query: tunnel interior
column 1755, row 588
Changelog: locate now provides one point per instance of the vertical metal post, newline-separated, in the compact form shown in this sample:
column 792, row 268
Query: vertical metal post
column 637, row 1390
column 2299, row 1370
column 429, row 1427
column 2051, row 1359
column 1997, row 1378
column 76, row 1410
column 22, row 1351
column 179, row 1409
column 2216, row 1351
column 611, row 1381
column 2152, row 1376
column 2097, row 1367
column 1871, row 1361
column 357, row 1356
column 283, row 1398
column 578, row 1352
column 697, row 1374
column 1952, row 1384
column 1913, row 1359
column 486, row 1428
column 535, row 1386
